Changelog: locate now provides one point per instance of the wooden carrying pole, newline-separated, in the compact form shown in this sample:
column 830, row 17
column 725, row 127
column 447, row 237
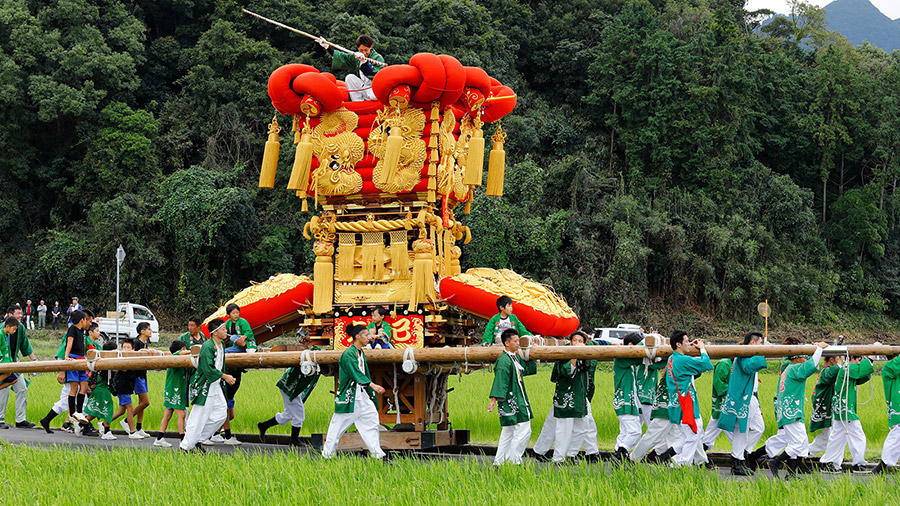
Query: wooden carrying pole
column 111, row 360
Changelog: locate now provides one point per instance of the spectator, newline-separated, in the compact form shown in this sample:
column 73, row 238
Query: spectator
column 42, row 316
column 29, row 315
column 74, row 306
column 56, row 313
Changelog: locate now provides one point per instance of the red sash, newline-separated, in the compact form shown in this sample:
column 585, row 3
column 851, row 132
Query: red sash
column 686, row 402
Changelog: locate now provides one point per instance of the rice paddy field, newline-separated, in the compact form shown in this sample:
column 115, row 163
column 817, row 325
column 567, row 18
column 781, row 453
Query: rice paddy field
column 63, row 475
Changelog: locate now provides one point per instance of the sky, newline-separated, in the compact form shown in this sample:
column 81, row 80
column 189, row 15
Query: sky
column 891, row 8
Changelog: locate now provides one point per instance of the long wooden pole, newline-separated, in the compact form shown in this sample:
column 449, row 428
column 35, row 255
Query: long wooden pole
column 474, row 354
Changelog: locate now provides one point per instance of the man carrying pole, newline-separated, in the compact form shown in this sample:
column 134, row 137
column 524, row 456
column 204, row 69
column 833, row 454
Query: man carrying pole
column 684, row 410
column 741, row 415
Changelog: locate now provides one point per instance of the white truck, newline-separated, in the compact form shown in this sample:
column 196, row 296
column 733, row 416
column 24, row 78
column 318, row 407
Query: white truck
column 130, row 315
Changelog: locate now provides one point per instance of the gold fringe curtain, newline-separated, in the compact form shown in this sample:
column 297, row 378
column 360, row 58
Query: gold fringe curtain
column 323, row 277
column 423, row 276
column 346, row 256
column 399, row 254
column 372, row 256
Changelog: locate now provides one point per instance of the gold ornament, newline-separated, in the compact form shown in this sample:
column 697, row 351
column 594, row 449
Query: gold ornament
column 338, row 149
column 412, row 152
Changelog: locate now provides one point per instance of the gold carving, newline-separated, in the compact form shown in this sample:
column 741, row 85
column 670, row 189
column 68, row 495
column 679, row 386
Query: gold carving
column 412, row 156
column 521, row 289
column 338, row 149
column 274, row 286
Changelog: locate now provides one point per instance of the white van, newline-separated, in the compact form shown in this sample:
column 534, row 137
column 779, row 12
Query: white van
column 614, row 335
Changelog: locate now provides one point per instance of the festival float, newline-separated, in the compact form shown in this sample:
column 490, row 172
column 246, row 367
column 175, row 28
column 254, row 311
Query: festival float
column 387, row 181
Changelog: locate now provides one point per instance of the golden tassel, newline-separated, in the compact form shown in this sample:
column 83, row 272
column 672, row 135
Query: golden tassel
column 346, row 256
column 372, row 256
column 302, row 161
column 422, row 274
column 392, row 148
column 475, row 157
column 270, row 156
column 468, row 208
column 305, row 206
column 448, row 255
column 497, row 165
column 323, row 277
column 399, row 254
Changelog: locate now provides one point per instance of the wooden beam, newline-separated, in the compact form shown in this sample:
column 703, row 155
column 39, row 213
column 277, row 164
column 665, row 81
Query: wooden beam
column 472, row 354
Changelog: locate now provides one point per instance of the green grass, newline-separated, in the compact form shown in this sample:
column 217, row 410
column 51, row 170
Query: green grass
column 66, row 476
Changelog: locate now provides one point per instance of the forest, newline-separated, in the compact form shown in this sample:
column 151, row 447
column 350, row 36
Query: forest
column 665, row 155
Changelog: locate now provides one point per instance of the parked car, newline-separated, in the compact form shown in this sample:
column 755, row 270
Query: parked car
column 130, row 315
column 614, row 335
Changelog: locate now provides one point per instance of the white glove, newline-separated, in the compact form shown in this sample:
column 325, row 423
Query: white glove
column 322, row 42
column 359, row 56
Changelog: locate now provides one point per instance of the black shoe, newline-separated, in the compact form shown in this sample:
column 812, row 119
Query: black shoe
column 831, row 468
column 793, row 467
column 775, row 464
column 46, row 425
column 24, row 425
column 295, row 436
column 263, row 427
column 652, row 457
column 667, row 456
column 706, row 447
column 709, row 465
column 620, row 455
column 860, row 469
column 804, row 466
column 68, row 427
column 756, row 458
column 89, row 431
column 880, row 468
column 4, row 425
column 738, row 468
column 592, row 458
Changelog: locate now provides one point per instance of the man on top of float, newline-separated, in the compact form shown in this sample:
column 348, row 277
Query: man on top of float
column 359, row 71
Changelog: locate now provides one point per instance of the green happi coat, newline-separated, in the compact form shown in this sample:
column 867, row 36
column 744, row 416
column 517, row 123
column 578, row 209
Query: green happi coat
column 384, row 327
column 574, row 388
column 353, row 371
column 661, row 401
column 242, row 328
column 721, row 375
column 890, row 376
column 100, row 404
column 849, row 376
column 294, row 383
column 680, row 373
column 822, row 397
column 207, row 372
column 789, row 403
column 509, row 389
column 490, row 330
column 175, row 394
column 23, row 346
column 647, row 378
column 190, row 341
column 345, row 62
column 625, row 396
column 736, row 407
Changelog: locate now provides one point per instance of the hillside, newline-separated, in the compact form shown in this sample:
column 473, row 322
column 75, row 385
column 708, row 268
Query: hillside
column 860, row 21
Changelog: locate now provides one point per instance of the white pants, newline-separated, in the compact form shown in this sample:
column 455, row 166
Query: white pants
column 204, row 421
column 689, row 450
column 712, row 433
column 21, row 392
column 775, row 444
column 890, row 452
column 294, row 411
column 843, row 434
column 513, row 441
column 572, row 434
column 820, row 442
column 362, row 84
column 584, row 435
column 797, row 440
column 365, row 417
column 62, row 405
column 742, row 442
column 661, row 435
column 629, row 432
column 646, row 410
column 546, row 438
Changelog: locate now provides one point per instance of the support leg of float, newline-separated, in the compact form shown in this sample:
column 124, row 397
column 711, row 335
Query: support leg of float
column 419, row 403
